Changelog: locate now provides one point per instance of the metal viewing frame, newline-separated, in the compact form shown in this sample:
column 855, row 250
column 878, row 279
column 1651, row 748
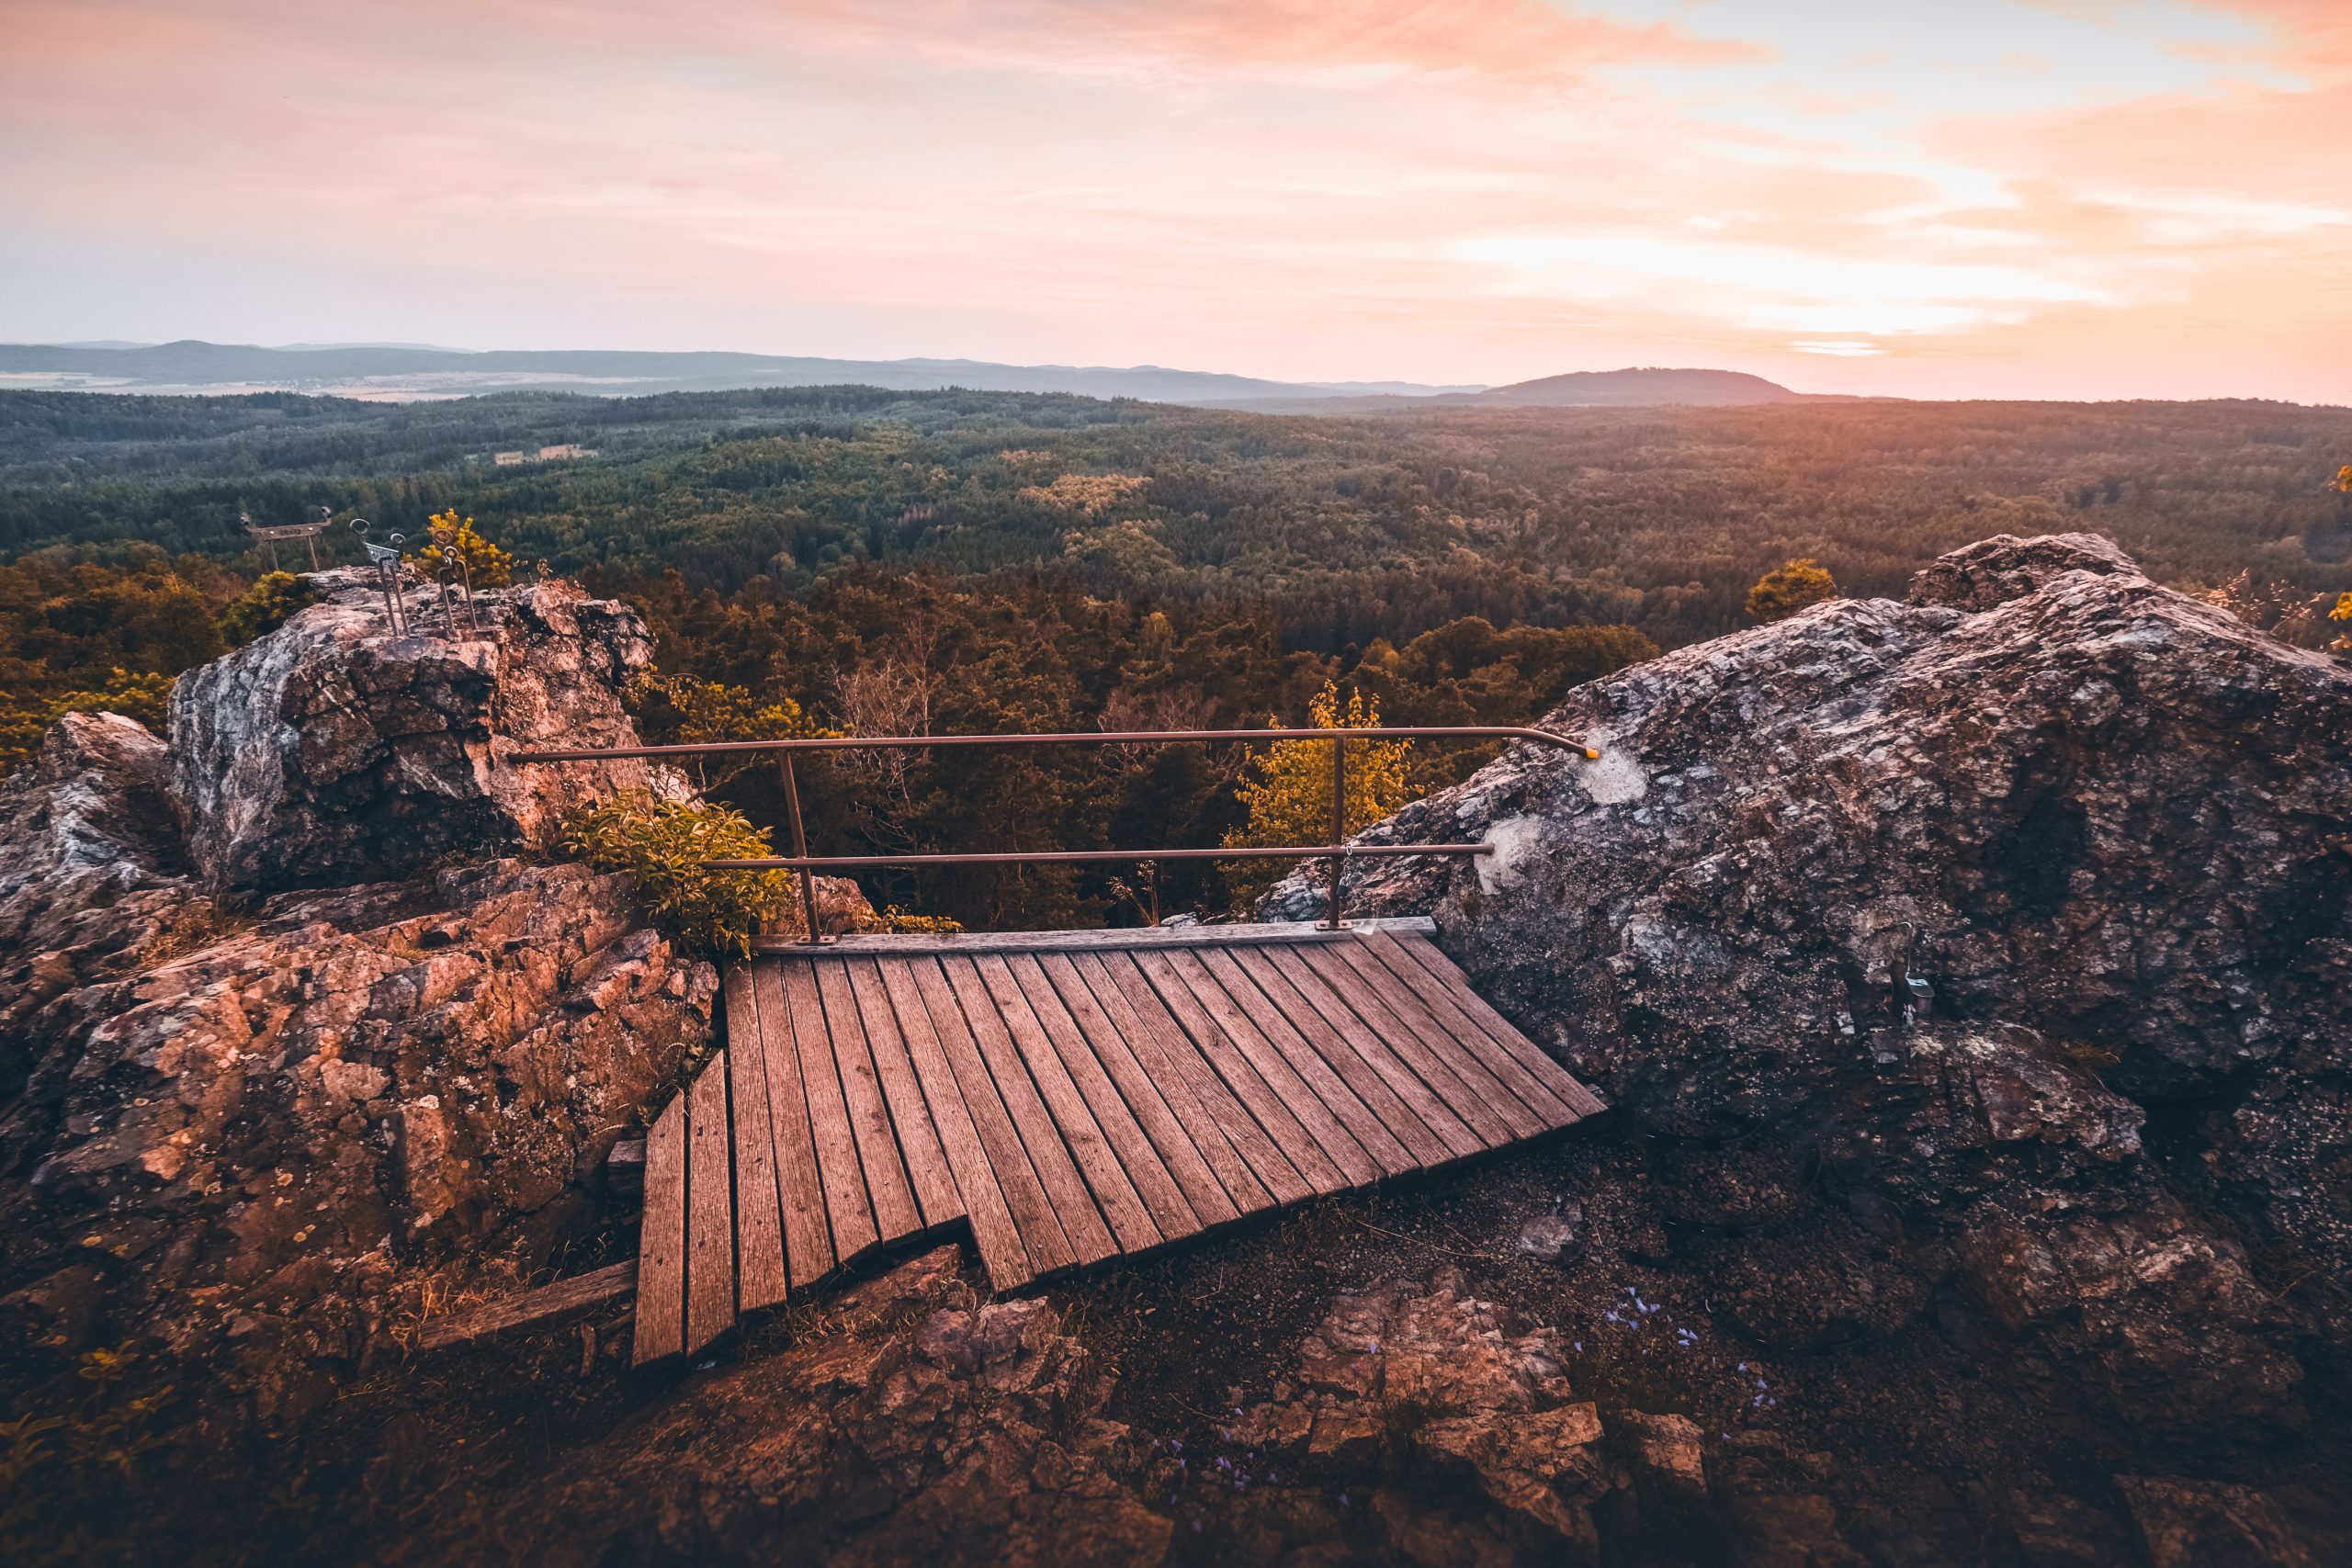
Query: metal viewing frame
column 1337, row 852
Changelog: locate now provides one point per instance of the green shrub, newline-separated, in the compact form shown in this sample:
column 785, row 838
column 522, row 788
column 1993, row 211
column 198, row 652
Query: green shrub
column 275, row 598
column 662, row 845
column 452, row 538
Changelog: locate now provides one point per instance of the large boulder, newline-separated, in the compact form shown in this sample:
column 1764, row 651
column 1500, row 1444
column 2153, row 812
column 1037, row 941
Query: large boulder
column 90, row 872
column 260, row 1131
column 1951, row 896
column 335, row 750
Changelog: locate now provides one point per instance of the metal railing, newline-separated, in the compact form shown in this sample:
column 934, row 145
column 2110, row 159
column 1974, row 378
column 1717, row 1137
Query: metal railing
column 1338, row 851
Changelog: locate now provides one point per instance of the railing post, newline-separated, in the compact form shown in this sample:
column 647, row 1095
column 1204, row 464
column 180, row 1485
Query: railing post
column 800, row 852
column 1339, row 822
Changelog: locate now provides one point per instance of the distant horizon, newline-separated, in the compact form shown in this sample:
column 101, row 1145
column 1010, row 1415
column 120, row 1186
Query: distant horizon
column 1391, row 387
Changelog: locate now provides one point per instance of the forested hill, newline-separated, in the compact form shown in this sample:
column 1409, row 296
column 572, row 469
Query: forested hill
column 974, row 562
column 1342, row 529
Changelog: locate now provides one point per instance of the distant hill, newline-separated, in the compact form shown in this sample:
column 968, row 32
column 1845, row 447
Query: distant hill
column 1579, row 389
column 389, row 371
column 1627, row 388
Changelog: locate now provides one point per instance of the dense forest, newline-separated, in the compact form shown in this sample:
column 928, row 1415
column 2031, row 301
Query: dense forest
column 870, row 559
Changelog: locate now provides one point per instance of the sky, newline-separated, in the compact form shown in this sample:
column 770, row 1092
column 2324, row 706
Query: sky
column 2064, row 198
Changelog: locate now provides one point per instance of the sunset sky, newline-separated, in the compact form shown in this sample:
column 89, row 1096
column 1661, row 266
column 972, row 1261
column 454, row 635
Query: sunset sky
column 2076, row 199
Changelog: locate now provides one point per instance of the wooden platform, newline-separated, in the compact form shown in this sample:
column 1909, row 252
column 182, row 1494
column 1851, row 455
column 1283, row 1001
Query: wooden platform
column 1071, row 1097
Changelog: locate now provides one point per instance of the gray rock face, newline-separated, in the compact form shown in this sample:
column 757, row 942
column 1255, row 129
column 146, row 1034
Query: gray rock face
column 331, row 750
column 1994, row 571
column 90, row 862
column 1981, row 883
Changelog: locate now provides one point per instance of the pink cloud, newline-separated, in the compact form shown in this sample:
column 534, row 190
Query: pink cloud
column 1477, row 190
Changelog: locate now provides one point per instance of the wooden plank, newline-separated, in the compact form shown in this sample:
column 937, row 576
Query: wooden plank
column 662, row 1240
column 760, row 1278
column 1115, row 1194
column 1300, row 1097
column 1535, row 1089
column 1234, row 1069
column 1041, row 1236
column 887, row 1187
column 1089, row 1238
column 960, row 1117
column 1205, row 1195
column 969, row 944
column 1388, row 1087
column 1415, row 1015
column 710, row 1210
column 1270, row 1164
column 1418, row 946
column 1163, row 1196
column 1183, row 1079
column 1481, row 1102
column 844, row 1183
column 532, row 1308
column 1336, row 1089
column 1339, row 994
column 911, row 1114
column 800, row 1186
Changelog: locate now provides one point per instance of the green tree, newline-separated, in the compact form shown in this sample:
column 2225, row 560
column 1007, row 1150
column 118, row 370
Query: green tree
column 1285, row 791
column 275, row 599
column 1788, row 587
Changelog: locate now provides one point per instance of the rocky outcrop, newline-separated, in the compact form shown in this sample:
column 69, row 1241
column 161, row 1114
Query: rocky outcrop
column 90, row 875
column 2016, row 913
column 918, row 1424
column 333, row 750
column 260, row 1133
column 267, row 1150
column 1433, row 1380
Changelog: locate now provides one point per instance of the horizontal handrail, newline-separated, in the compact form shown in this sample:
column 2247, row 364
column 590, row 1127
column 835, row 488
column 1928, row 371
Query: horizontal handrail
column 1251, row 852
column 1337, row 853
column 1075, row 737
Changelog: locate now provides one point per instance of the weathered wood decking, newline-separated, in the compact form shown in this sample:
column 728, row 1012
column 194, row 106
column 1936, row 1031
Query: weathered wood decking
column 1070, row 1096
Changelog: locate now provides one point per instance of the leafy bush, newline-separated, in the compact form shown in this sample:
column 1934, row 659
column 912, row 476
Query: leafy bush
column 275, row 598
column 1788, row 587
column 454, row 539
column 662, row 845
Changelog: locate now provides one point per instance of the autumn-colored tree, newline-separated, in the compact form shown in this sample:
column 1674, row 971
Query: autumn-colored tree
column 133, row 694
column 1788, row 587
column 1286, row 790
column 275, row 599
column 678, row 710
column 454, row 538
